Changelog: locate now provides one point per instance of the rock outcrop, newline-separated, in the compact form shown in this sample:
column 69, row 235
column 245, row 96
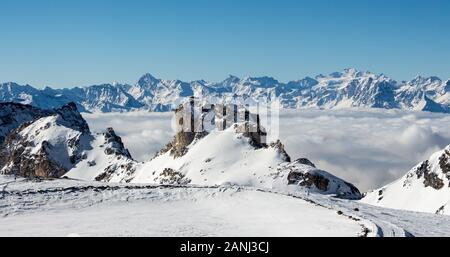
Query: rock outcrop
column 51, row 143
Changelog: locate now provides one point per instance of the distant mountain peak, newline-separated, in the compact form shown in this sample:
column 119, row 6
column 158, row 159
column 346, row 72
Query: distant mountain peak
column 147, row 78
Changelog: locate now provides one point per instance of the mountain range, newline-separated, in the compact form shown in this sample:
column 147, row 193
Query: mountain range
column 345, row 89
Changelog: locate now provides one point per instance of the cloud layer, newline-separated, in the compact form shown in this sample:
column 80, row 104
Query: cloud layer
column 369, row 148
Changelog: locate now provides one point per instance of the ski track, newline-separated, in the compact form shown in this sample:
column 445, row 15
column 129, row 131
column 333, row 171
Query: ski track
column 23, row 197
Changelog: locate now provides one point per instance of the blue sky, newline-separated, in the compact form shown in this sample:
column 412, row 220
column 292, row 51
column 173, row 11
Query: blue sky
column 80, row 42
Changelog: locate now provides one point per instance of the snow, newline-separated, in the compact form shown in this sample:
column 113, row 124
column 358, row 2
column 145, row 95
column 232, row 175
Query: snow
column 68, row 208
column 75, row 208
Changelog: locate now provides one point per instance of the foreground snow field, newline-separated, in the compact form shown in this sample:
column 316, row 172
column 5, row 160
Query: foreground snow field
column 74, row 208
column 64, row 208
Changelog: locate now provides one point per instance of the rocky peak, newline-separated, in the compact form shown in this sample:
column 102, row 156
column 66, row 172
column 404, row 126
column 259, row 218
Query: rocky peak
column 114, row 144
column 71, row 117
column 147, row 80
column 281, row 151
column 302, row 173
column 230, row 80
column 305, row 161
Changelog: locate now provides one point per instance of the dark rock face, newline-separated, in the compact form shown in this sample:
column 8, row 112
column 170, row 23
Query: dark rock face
column 430, row 179
column 312, row 178
column 354, row 191
column 305, row 162
column 170, row 176
column 280, row 148
column 423, row 169
column 318, row 181
column 111, row 169
column 444, row 163
column 72, row 118
column 38, row 165
column 114, row 144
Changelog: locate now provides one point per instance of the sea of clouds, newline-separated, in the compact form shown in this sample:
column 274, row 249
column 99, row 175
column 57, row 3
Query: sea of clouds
column 369, row 148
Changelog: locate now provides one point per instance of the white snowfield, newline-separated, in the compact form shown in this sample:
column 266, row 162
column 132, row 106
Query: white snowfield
column 75, row 208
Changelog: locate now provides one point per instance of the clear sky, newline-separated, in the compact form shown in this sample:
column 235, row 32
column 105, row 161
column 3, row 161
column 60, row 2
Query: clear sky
column 64, row 43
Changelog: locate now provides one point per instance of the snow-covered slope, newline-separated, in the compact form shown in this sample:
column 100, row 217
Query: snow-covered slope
column 76, row 208
column 425, row 188
column 60, row 141
column 349, row 88
column 64, row 208
column 107, row 156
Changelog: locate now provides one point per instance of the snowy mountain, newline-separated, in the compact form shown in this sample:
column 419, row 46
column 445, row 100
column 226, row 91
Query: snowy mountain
column 50, row 143
column 349, row 88
column 424, row 188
